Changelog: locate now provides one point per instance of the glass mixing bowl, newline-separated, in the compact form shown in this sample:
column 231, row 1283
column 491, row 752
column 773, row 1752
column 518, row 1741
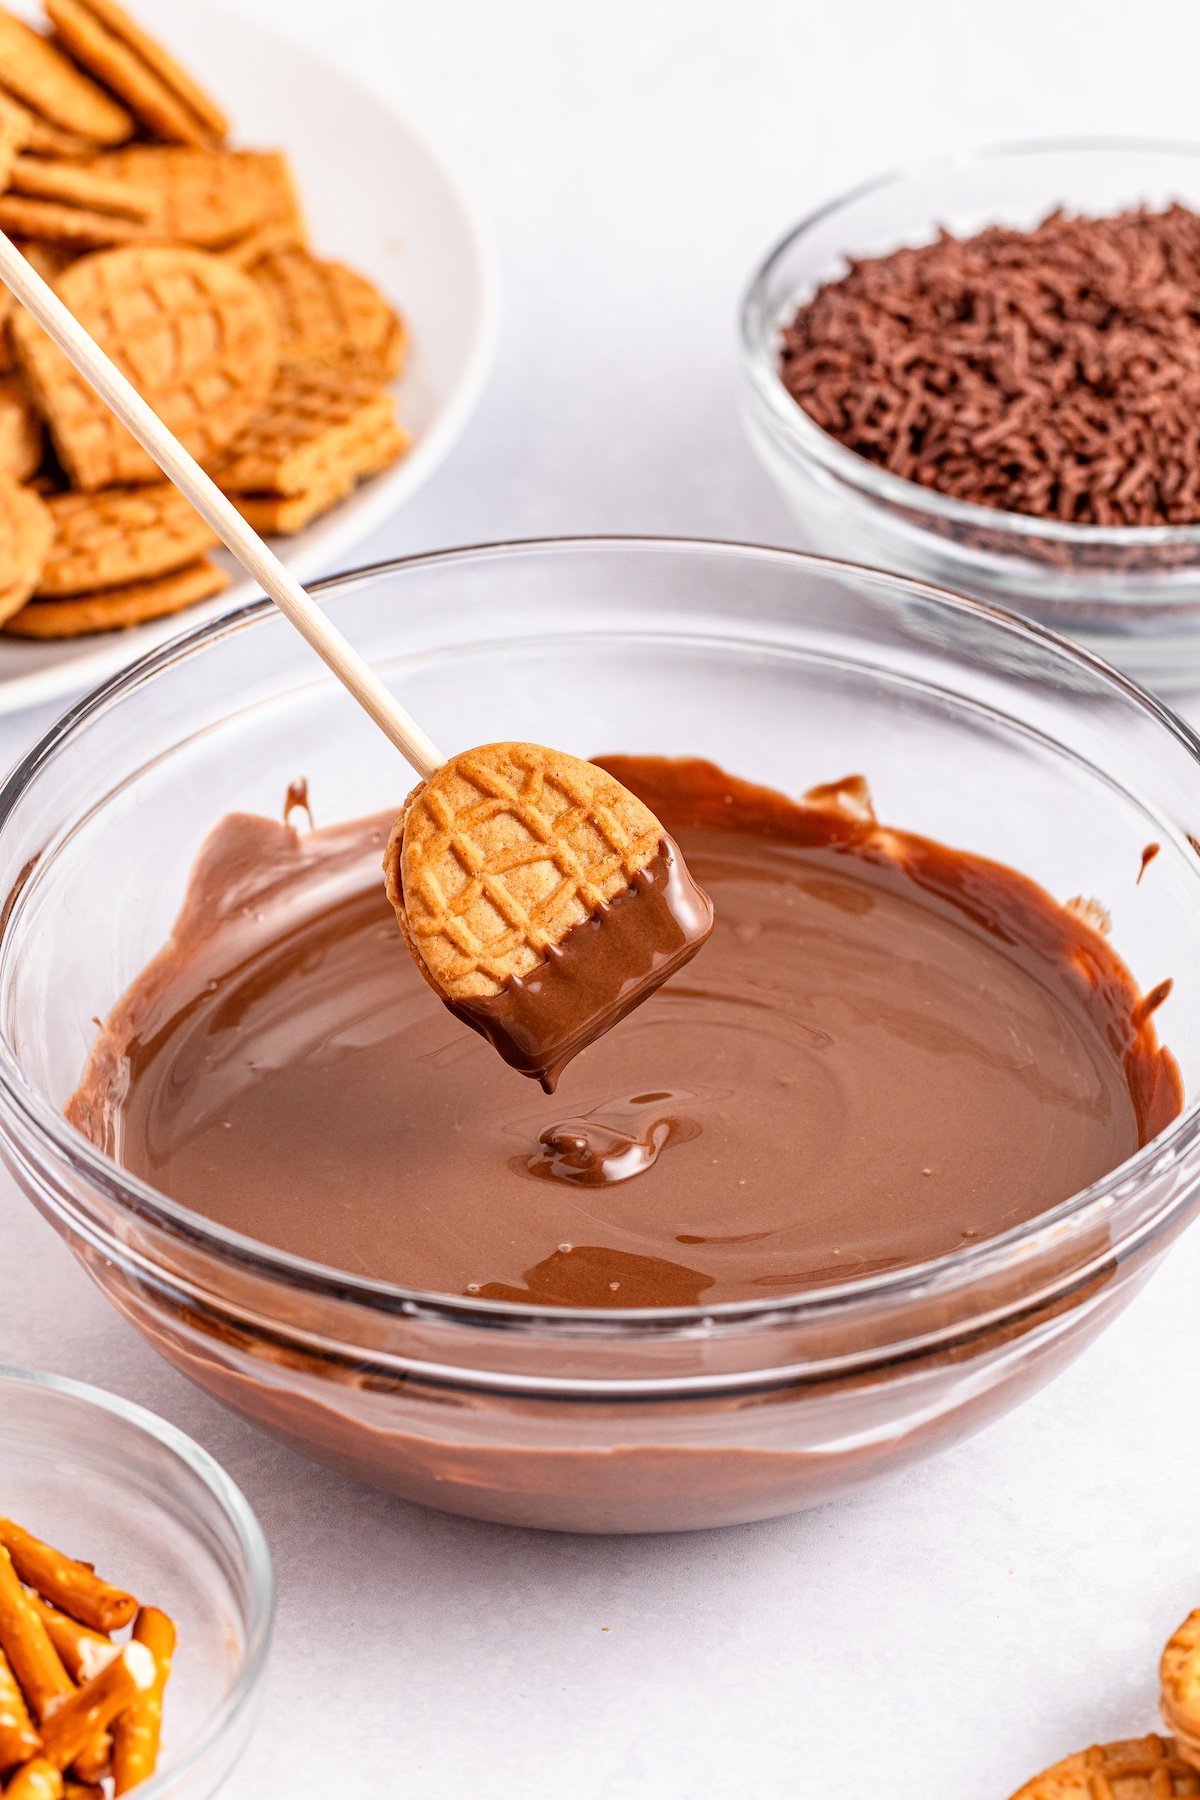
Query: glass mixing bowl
column 1132, row 595
column 973, row 727
column 102, row 1479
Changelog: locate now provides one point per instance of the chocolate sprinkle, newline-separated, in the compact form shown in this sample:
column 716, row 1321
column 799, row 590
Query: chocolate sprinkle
column 1052, row 372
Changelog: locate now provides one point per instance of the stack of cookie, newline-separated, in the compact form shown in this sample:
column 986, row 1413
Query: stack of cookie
column 188, row 261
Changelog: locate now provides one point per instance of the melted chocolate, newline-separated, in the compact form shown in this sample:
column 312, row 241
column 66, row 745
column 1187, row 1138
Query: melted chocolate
column 602, row 969
column 296, row 800
column 888, row 1049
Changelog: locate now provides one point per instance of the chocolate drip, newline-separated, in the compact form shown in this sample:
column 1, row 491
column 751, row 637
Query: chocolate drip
column 626, row 1141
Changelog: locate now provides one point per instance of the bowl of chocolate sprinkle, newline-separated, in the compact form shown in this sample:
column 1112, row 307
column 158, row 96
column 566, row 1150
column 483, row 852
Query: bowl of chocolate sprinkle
column 986, row 371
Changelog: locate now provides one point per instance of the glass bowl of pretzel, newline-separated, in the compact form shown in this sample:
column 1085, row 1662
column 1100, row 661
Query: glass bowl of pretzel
column 136, row 1601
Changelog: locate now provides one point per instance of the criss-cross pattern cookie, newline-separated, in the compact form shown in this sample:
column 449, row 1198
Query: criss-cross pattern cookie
column 54, row 222
column 78, row 184
column 162, row 95
column 49, row 140
column 20, row 433
column 501, row 852
column 37, row 73
column 120, row 536
column 1179, row 1673
column 203, row 197
column 267, row 175
column 280, row 515
column 35, row 133
column 117, row 608
column 195, row 337
column 1148, row 1768
column 26, row 530
column 324, row 310
column 14, row 135
column 316, row 420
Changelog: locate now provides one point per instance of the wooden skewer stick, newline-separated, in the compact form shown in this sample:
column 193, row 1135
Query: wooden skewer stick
column 260, row 562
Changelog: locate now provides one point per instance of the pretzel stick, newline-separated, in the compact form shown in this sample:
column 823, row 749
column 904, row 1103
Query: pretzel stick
column 94, row 1760
column 26, row 1643
column 137, row 1731
column 38, row 1780
column 84, row 1652
column 18, row 1740
column 36, row 1663
column 91, row 1709
column 73, row 1586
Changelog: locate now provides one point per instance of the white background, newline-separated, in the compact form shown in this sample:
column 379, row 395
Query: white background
column 955, row 1629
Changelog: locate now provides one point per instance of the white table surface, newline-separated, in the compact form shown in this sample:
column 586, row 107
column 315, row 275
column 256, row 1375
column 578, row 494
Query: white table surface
column 958, row 1627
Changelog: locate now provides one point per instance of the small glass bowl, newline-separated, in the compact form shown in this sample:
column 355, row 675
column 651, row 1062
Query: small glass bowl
column 112, row 1484
column 1130, row 594
column 972, row 726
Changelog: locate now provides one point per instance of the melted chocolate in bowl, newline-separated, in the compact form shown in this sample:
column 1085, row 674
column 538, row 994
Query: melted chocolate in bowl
column 887, row 1049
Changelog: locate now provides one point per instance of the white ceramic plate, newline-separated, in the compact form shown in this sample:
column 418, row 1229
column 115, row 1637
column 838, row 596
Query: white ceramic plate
column 377, row 197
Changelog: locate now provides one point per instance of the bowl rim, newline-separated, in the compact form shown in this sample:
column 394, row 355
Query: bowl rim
column 758, row 326
column 238, row 1514
column 947, row 1273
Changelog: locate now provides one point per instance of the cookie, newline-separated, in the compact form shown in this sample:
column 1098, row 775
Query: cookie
column 280, row 515
column 195, row 337
column 20, row 433
column 267, row 175
column 313, row 423
column 323, row 310
column 26, row 531
column 48, row 140
column 203, row 197
column 264, row 240
column 157, row 57
column 117, row 608
column 501, row 852
column 75, row 184
column 55, row 223
column 37, row 73
column 1148, row 1768
column 14, row 135
column 153, row 69
column 128, row 61
column 119, row 537
column 1179, row 1673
